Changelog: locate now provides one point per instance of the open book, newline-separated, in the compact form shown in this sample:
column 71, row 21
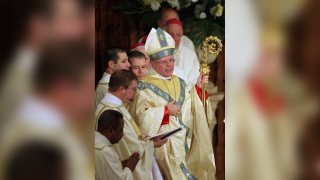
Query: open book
column 168, row 133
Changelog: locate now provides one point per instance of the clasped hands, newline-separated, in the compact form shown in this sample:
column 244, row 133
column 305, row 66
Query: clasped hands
column 132, row 161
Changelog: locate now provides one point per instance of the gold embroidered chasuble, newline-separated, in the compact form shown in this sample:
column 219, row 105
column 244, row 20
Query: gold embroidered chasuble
column 188, row 154
column 131, row 141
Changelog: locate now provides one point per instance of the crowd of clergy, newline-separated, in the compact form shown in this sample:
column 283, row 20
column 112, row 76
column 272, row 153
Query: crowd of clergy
column 153, row 88
column 47, row 89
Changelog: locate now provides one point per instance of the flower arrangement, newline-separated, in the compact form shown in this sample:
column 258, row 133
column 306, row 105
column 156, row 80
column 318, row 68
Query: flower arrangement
column 206, row 19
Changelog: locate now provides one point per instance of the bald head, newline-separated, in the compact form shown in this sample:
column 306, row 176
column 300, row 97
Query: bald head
column 165, row 16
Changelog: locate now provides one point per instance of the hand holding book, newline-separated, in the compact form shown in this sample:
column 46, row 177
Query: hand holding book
column 167, row 134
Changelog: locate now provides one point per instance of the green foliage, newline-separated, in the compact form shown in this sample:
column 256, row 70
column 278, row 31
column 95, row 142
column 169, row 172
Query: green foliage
column 184, row 3
column 197, row 29
column 204, row 28
column 149, row 20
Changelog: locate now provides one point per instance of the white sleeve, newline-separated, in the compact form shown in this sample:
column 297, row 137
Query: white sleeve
column 182, row 74
column 189, row 86
column 194, row 73
column 108, row 166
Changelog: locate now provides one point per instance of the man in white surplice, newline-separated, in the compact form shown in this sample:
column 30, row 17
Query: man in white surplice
column 114, row 58
column 57, row 97
column 122, row 88
column 107, row 163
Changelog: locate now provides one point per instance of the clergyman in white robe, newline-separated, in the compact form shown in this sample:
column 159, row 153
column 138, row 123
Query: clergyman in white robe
column 107, row 163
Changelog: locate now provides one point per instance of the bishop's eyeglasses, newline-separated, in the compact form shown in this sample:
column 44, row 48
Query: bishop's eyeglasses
column 165, row 62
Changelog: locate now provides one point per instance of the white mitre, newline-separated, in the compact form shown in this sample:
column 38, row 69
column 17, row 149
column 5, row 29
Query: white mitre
column 159, row 44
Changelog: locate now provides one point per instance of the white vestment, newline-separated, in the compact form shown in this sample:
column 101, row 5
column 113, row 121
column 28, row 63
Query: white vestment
column 107, row 163
column 187, row 59
column 102, row 88
column 185, row 41
column 188, row 153
column 131, row 141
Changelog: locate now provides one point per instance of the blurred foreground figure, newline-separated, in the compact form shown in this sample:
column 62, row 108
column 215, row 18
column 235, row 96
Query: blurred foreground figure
column 37, row 161
column 108, row 165
column 30, row 32
column 266, row 114
column 68, row 21
column 163, row 102
column 114, row 58
column 61, row 95
column 34, row 25
column 265, row 122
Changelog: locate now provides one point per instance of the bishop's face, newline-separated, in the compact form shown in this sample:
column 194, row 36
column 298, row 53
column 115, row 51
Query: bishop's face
column 164, row 66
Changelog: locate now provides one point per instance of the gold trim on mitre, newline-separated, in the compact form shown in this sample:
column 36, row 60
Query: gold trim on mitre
column 155, row 51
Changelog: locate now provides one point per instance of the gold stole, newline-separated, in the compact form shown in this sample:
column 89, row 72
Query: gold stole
column 132, row 122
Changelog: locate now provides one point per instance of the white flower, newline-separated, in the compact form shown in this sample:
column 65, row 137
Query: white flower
column 203, row 15
column 173, row 3
column 194, row 0
column 155, row 5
